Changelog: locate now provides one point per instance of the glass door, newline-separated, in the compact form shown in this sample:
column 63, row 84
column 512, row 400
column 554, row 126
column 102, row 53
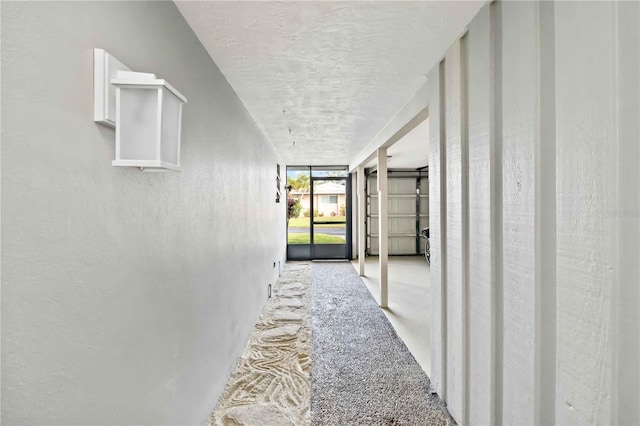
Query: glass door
column 318, row 220
column 299, row 199
column 330, row 218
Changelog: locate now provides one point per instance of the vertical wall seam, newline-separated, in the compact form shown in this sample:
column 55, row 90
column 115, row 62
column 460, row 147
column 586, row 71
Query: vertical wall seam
column 496, row 185
column 638, row 206
column 464, row 153
column 493, row 158
column 443, row 225
column 492, row 210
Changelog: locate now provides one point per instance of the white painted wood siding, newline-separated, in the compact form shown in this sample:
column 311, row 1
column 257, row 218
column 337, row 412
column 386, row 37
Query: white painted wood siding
column 456, row 285
column 520, row 137
column 481, row 211
column 538, row 322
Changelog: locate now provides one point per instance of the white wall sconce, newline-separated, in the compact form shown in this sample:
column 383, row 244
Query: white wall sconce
column 145, row 111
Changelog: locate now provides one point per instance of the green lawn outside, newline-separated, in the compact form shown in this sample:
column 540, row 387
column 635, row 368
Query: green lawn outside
column 295, row 238
column 303, row 222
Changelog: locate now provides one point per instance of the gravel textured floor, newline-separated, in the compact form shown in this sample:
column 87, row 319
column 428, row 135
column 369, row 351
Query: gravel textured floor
column 362, row 373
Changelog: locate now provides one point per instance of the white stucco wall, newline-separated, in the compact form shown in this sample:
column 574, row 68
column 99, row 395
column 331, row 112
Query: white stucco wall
column 540, row 325
column 126, row 296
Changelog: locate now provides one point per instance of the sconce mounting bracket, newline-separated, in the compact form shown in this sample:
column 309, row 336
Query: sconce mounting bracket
column 105, row 67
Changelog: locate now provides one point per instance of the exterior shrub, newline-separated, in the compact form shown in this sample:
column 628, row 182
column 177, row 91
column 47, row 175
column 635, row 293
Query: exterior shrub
column 294, row 207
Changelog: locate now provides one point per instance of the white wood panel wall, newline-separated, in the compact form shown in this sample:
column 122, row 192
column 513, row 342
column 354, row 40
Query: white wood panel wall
column 586, row 252
column 456, row 268
column 597, row 127
column 520, row 139
column 481, row 229
column 535, row 224
column 546, row 223
column 628, row 92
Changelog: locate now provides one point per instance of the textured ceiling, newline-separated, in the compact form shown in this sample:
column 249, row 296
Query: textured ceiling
column 338, row 70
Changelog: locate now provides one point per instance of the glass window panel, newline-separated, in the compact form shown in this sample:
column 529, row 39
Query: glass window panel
column 299, row 202
column 330, row 234
column 330, row 171
column 299, row 231
column 328, row 199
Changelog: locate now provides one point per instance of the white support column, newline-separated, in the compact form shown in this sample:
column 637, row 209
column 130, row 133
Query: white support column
column 362, row 217
column 456, row 239
column 438, row 230
column 383, row 225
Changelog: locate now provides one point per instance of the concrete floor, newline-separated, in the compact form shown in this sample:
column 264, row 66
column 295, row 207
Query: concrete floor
column 409, row 307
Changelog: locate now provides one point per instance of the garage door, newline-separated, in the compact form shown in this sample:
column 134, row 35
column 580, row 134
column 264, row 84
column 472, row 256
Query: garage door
column 408, row 213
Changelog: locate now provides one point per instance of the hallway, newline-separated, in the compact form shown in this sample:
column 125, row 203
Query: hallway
column 146, row 201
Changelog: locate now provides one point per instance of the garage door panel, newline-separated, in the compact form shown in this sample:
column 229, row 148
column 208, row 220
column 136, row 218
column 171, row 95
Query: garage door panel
column 403, row 207
column 403, row 245
column 402, row 186
column 405, row 225
column 396, row 205
column 399, row 245
column 399, row 225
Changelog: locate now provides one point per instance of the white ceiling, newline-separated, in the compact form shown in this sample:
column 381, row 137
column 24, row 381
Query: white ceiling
column 409, row 152
column 339, row 70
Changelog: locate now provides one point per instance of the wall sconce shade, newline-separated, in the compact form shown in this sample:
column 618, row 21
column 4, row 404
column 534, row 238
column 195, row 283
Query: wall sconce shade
column 148, row 115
